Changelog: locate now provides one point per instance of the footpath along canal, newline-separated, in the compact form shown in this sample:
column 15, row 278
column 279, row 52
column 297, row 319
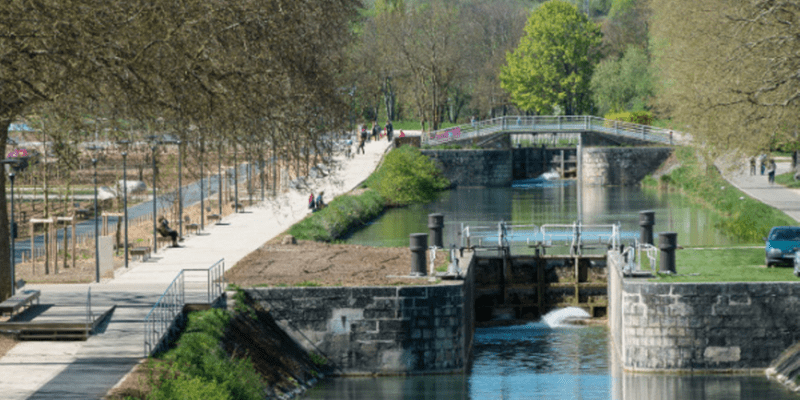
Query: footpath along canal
column 547, row 359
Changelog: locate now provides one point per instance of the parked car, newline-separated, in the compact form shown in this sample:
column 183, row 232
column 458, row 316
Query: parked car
column 781, row 244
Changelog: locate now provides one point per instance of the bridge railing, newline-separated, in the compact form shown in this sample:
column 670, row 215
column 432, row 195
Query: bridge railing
column 575, row 236
column 550, row 124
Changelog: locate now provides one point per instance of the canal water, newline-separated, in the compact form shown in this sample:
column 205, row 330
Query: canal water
column 547, row 359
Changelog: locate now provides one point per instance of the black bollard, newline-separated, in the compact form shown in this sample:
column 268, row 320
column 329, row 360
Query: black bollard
column 667, row 243
column 436, row 225
column 646, row 221
column 418, row 244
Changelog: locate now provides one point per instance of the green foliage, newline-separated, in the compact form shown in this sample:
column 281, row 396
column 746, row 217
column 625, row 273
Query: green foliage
column 636, row 117
column 745, row 217
column 623, row 84
column 308, row 284
column 339, row 216
column 553, row 64
column 199, row 368
column 407, row 176
column 318, row 360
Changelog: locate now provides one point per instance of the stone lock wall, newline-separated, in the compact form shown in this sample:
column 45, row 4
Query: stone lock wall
column 702, row 326
column 379, row 330
column 475, row 167
column 622, row 166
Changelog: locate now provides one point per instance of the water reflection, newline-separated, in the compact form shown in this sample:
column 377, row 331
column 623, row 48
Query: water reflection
column 548, row 204
column 534, row 361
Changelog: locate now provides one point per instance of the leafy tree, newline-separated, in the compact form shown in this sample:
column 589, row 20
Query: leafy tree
column 623, row 84
column 554, row 61
column 729, row 70
column 625, row 26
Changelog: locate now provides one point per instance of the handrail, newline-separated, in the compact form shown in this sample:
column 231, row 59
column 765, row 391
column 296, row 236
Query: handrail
column 574, row 235
column 89, row 316
column 160, row 322
column 551, row 124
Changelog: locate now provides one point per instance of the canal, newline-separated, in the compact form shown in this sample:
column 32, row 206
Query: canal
column 548, row 359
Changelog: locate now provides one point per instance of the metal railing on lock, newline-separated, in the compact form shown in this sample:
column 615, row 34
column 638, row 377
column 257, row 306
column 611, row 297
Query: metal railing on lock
column 636, row 254
column 164, row 321
column 551, row 124
column 575, row 236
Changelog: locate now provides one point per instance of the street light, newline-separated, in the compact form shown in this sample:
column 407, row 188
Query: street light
column 235, row 177
column 125, row 193
column 12, row 166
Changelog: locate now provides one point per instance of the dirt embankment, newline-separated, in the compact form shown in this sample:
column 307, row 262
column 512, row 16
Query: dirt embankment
column 324, row 264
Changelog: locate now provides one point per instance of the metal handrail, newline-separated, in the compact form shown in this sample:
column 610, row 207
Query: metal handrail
column 551, row 124
column 574, row 235
column 160, row 322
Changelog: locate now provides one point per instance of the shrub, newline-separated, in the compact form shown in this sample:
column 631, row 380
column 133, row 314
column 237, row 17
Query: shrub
column 407, row 176
column 636, row 117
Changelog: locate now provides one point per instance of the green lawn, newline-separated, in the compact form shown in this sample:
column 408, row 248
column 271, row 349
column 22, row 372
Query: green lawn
column 725, row 265
column 787, row 180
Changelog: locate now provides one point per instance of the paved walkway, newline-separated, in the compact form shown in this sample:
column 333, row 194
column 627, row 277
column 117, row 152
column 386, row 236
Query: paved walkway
column 758, row 187
column 88, row 370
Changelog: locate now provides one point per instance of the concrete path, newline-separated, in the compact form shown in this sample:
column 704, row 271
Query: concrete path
column 88, row 370
column 758, row 187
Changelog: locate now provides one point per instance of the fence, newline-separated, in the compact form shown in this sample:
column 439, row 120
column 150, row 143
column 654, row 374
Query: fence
column 550, row 124
column 575, row 236
column 165, row 320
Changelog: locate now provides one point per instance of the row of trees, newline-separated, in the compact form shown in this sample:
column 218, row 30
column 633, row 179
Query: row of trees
column 441, row 60
column 255, row 71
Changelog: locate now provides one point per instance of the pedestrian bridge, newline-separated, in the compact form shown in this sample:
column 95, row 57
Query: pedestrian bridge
column 488, row 130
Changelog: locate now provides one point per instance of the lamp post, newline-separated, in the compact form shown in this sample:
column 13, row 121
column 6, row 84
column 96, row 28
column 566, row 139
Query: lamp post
column 12, row 165
column 202, row 187
column 125, row 193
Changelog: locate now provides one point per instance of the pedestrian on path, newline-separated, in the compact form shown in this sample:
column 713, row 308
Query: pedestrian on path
column 771, row 173
column 752, row 166
column 362, row 140
column 311, row 201
column 375, row 131
column 763, row 160
column 389, row 130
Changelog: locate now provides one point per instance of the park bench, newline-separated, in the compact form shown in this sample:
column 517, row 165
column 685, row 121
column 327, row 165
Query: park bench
column 189, row 226
column 21, row 300
column 142, row 252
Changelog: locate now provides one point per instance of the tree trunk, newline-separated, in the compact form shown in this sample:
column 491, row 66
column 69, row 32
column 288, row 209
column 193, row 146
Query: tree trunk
column 5, row 250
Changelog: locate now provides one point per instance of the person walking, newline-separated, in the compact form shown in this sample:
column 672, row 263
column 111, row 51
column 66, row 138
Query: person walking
column 389, row 131
column 311, row 204
column 752, row 166
column 374, row 131
column 362, row 139
column 771, row 171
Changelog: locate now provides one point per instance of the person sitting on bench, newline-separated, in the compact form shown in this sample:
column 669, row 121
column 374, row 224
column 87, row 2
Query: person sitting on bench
column 165, row 231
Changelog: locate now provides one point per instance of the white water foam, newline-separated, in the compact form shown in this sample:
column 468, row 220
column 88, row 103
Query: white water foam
column 558, row 318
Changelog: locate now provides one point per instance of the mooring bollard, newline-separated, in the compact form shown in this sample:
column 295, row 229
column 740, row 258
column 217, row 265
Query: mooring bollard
column 418, row 244
column 667, row 243
column 646, row 221
column 436, row 225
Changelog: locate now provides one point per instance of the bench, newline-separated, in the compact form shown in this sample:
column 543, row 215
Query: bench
column 20, row 300
column 213, row 217
column 238, row 207
column 142, row 252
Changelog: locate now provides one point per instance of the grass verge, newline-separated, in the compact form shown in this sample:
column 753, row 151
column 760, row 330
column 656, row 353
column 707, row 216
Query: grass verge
column 342, row 214
column 725, row 265
column 743, row 217
column 199, row 368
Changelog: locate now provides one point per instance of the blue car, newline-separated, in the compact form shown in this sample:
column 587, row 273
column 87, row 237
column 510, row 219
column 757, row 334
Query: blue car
column 781, row 245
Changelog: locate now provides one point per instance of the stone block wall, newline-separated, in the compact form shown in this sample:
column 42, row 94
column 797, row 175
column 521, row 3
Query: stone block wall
column 475, row 167
column 379, row 330
column 702, row 326
column 622, row 166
